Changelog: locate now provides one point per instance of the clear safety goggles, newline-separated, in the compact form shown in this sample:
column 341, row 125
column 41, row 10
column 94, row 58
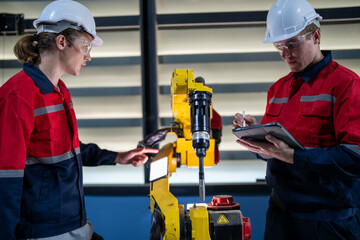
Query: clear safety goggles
column 293, row 44
column 83, row 45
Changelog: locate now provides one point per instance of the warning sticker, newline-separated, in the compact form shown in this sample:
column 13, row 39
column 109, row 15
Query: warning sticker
column 222, row 220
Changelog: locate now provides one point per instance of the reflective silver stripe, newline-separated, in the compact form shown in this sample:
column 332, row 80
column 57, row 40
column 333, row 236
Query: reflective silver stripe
column 77, row 150
column 322, row 97
column 48, row 109
column 278, row 100
column 52, row 160
column 11, row 173
column 352, row 147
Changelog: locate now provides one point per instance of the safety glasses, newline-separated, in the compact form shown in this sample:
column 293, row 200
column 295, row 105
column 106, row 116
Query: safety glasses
column 293, row 44
column 83, row 45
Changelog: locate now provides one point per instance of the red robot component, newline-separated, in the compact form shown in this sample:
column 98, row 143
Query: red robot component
column 226, row 220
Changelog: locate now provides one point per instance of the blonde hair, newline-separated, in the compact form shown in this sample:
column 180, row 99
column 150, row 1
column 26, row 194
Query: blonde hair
column 28, row 48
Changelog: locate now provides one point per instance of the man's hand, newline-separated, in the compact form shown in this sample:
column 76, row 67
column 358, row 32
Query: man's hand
column 274, row 148
column 239, row 120
column 136, row 156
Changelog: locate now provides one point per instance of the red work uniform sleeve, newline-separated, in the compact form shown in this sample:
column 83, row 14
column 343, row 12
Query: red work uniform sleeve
column 16, row 125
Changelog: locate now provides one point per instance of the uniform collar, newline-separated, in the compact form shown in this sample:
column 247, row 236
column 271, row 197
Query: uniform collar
column 40, row 79
column 318, row 67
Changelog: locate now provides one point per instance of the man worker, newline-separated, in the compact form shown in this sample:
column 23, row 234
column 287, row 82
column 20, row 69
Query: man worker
column 316, row 191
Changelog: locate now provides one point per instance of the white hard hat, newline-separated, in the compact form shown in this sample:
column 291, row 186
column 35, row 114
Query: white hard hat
column 62, row 14
column 287, row 18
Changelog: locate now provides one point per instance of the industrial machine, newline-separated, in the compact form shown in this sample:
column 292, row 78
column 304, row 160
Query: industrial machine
column 198, row 136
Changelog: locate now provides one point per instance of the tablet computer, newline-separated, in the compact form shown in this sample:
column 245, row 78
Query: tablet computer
column 258, row 132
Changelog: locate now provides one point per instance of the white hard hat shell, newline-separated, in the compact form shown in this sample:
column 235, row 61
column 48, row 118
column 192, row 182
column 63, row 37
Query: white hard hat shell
column 287, row 18
column 62, row 14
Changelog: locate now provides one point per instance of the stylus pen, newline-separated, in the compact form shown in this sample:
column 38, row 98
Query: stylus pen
column 244, row 123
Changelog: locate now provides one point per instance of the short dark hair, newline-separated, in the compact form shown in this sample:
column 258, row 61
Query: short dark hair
column 310, row 28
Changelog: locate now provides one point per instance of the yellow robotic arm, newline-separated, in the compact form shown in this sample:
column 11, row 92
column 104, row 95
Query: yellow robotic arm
column 182, row 84
column 192, row 109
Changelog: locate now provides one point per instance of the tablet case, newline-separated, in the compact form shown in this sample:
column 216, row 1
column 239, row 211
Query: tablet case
column 258, row 132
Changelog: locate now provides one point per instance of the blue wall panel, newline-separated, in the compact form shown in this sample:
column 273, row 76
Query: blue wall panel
column 128, row 218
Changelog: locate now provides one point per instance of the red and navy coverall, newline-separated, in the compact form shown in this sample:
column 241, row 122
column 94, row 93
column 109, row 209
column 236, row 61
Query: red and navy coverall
column 323, row 114
column 41, row 158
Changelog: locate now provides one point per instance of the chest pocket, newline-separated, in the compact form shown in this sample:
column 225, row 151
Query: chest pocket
column 318, row 117
column 317, row 108
column 274, row 110
column 48, row 119
column 45, row 117
column 43, row 123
